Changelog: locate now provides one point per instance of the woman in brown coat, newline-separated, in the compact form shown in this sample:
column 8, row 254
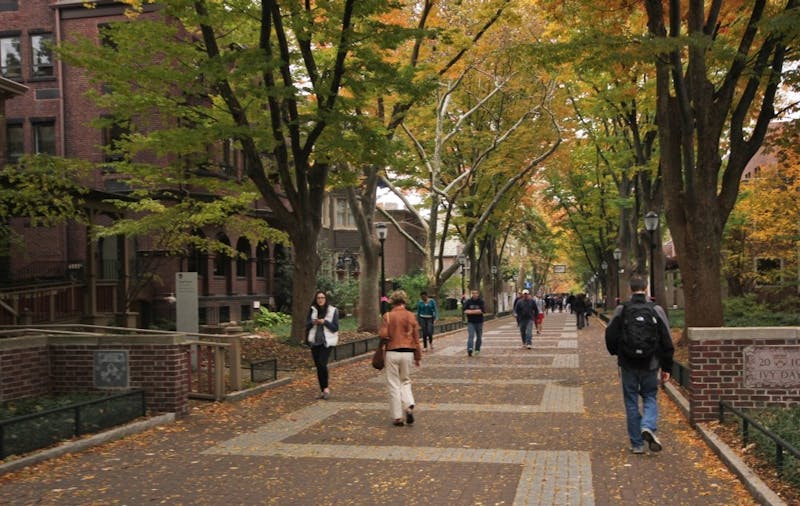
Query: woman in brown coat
column 400, row 333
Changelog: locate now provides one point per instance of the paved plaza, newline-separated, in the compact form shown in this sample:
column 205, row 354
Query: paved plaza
column 512, row 426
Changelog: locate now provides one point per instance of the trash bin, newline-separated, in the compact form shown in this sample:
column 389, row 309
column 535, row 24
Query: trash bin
column 451, row 303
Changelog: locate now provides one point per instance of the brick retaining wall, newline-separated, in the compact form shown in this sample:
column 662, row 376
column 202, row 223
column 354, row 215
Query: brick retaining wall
column 24, row 367
column 717, row 369
column 39, row 365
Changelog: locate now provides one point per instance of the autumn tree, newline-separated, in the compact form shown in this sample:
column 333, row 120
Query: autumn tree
column 444, row 33
column 762, row 236
column 718, row 69
column 276, row 83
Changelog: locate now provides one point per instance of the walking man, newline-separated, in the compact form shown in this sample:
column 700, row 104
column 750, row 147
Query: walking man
column 474, row 308
column 527, row 312
column 638, row 334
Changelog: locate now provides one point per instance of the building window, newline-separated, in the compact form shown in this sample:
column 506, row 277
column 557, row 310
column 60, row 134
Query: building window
column 262, row 259
column 344, row 217
column 42, row 55
column 9, row 5
column 112, row 135
column 10, row 60
column 243, row 257
column 224, row 314
column 222, row 261
column 15, row 142
column 44, row 137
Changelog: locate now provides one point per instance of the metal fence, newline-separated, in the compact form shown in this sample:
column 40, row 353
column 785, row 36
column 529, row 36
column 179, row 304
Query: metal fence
column 27, row 433
column 680, row 373
column 781, row 446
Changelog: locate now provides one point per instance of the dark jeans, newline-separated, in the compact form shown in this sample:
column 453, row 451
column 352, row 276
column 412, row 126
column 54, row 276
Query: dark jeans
column 426, row 328
column 321, row 354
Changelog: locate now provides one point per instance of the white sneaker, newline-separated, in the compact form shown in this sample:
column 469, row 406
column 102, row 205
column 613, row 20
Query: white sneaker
column 652, row 440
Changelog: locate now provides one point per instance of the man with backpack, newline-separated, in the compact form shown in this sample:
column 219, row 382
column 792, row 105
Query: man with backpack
column 638, row 334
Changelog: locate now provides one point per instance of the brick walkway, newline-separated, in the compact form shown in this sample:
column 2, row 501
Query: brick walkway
column 512, row 426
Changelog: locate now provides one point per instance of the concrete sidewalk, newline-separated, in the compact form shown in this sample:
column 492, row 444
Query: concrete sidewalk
column 512, row 426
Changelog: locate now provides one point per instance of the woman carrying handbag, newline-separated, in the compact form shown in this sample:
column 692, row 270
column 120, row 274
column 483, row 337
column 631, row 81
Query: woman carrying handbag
column 399, row 332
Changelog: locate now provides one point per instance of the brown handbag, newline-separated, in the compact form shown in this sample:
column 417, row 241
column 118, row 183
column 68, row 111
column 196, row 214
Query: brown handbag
column 379, row 357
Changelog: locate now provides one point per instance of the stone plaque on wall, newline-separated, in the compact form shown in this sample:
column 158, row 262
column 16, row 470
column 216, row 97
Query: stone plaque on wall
column 772, row 366
column 111, row 369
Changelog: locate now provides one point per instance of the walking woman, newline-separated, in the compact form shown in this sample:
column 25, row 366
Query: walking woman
column 400, row 333
column 323, row 333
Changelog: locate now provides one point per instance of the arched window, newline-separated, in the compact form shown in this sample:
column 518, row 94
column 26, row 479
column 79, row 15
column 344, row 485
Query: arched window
column 262, row 259
column 222, row 261
column 242, row 259
column 196, row 259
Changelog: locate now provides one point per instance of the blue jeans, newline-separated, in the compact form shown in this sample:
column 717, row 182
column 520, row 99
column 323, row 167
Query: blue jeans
column 637, row 383
column 526, row 331
column 474, row 335
column 426, row 329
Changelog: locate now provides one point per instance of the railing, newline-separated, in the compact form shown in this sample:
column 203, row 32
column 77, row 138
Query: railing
column 206, row 377
column 46, row 271
column 680, row 373
column 27, row 433
column 362, row 346
column 264, row 370
column 781, row 445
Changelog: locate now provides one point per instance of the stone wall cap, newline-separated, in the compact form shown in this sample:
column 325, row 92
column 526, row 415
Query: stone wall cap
column 737, row 333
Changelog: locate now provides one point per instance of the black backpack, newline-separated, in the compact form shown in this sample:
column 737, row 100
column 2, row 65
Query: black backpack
column 640, row 330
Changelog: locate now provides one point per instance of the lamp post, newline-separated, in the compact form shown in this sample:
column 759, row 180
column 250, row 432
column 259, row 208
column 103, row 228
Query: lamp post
column 651, row 224
column 617, row 257
column 462, row 261
column 494, row 288
column 382, row 230
column 604, row 266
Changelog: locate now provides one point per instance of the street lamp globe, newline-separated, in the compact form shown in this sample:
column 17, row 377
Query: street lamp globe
column 651, row 221
column 651, row 224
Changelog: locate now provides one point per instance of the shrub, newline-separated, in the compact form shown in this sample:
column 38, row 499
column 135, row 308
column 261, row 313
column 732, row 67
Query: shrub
column 784, row 422
column 264, row 318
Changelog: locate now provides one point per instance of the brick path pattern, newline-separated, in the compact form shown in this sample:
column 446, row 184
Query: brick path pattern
column 512, row 426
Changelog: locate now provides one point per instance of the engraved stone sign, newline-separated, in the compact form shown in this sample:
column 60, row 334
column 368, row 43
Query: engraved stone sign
column 111, row 369
column 772, row 366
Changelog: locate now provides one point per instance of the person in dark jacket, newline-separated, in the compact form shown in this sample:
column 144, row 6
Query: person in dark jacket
column 526, row 312
column 579, row 308
column 474, row 308
column 640, row 376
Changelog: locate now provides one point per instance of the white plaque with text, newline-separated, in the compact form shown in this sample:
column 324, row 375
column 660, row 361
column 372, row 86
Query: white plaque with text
column 772, row 366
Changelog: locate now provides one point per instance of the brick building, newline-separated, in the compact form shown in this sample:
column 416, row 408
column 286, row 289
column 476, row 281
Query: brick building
column 58, row 273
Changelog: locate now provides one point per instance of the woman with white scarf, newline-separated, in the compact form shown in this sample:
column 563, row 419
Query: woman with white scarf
column 322, row 326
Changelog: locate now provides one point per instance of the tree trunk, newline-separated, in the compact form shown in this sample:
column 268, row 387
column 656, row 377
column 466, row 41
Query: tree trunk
column 369, row 292
column 304, row 281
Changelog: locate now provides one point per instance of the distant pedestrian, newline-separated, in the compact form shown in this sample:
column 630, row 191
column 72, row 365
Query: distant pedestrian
column 322, row 326
column 400, row 332
column 527, row 312
column 474, row 308
column 579, row 308
column 638, row 334
column 427, row 314
column 540, row 315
